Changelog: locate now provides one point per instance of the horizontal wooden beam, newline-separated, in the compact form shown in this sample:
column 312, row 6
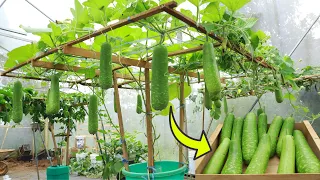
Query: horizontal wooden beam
column 63, row 67
column 103, row 30
column 62, row 81
column 201, row 29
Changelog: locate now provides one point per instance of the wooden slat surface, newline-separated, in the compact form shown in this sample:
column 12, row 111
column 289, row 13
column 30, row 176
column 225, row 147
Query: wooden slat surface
column 312, row 138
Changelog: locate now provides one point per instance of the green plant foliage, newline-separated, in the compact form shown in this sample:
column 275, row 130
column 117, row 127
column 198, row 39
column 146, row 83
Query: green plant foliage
column 72, row 106
column 113, row 148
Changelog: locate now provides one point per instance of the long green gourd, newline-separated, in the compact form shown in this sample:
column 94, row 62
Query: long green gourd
column 287, row 159
column 260, row 159
column 249, row 137
column 105, row 66
column 278, row 93
column 93, row 114
column 139, row 104
column 227, row 127
column 286, row 129
column 273, row 132
column 306, row 160
column 53, row 105
column 159, row 83
column 216, row 162
column 211, row 72
column 262, row 125
column 225, row 105
column 17, row 106
column 233, row 164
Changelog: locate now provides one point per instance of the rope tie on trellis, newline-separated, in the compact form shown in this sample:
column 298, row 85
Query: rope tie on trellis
column 148, row 113
column 181, row 106
column 122, row 140
column 124, row 160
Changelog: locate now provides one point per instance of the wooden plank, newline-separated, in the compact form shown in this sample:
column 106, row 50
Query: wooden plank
column 123, row 22
column 201, row 29
column 181, row 123
column 120, row 120
column 63, row 67
column 312, row 138
column 149, row 121
column 96, row 55
column 180, row 52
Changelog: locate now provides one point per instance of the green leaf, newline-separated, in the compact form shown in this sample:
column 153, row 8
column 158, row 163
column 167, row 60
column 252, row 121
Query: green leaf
column 195, row 2
column 166, row 111
column 80, row 14
column 249, row 23
column 90, row 73
column 20, row 54
column 234, row 5
column 118, row 166
column 254, row 39
column 97, row 4
column 209, row 26
column 188, row 13
column 290, row 96
column 262, row 36
column 305, row 109
column 97, row 16
column 99, row 158
column 213, row 12
column 56, row 30
column 173, row 91
column 45, row 37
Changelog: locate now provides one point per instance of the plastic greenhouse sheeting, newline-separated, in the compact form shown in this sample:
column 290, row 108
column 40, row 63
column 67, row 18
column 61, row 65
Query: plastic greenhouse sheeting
column 285, row 20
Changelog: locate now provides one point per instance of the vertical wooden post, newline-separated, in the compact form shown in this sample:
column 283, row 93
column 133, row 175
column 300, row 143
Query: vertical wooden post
column 149, row 120
column 182, row 126
column 124, row 144
column 67, row 148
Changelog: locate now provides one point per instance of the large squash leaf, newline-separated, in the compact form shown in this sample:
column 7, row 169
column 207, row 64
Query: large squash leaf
column 20, row 55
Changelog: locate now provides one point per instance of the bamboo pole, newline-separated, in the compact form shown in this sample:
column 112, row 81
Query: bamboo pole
column 182, row 126
column 124, row 144
column 68, row 140
column 149, row 121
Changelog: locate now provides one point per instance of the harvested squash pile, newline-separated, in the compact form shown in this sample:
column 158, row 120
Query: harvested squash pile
column 247, row 145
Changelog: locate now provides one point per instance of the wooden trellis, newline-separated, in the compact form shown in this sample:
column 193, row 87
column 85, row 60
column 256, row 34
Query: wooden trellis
column 68, row 49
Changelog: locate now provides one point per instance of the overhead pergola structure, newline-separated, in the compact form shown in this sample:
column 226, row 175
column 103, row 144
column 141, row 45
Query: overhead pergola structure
column 69, row 49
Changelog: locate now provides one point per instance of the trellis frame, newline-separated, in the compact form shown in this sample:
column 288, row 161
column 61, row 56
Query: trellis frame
column 67, row 48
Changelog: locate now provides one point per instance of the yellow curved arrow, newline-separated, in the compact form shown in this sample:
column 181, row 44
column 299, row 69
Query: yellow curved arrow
column 201, row 145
